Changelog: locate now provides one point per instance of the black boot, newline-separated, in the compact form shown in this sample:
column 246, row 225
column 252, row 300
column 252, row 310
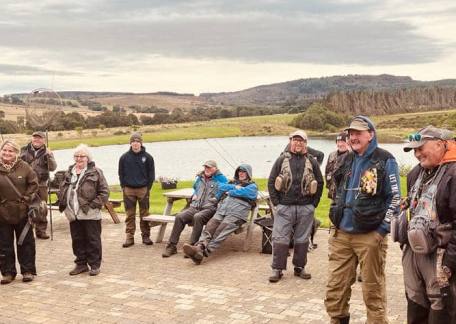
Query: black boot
column 276, row 275
column 299, row 272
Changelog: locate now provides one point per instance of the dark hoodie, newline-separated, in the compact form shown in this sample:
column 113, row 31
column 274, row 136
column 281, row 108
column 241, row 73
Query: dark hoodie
column 136, row 170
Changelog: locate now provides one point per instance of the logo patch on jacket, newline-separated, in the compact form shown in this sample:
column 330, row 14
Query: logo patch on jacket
column 369, row 181
column 143, row 159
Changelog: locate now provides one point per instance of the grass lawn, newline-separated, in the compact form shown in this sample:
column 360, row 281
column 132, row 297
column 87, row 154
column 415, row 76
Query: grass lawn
column 158, row 201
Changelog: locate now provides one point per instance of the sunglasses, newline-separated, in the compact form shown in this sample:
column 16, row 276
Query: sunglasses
column 416, row 137
column 80, row 156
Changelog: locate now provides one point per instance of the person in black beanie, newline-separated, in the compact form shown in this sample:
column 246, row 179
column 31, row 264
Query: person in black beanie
column 136, row 175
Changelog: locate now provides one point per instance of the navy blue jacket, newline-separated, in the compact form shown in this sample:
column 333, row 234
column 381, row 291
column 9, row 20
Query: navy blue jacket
column 136, row 170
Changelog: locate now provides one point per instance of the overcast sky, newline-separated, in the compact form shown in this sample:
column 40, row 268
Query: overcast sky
column 218, row 45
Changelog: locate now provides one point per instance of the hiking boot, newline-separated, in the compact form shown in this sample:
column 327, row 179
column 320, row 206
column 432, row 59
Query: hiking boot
column 7, row 279
column 276, row 275
column 194, row 252
column 299, row 272
column 27, row 277
column 169, row 250
column 146, row 240
column 128, row 242
column 42, row 235
column 94, row 271
column 79, row 268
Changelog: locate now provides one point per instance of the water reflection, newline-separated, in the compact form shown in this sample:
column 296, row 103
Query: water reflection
column 182, row 159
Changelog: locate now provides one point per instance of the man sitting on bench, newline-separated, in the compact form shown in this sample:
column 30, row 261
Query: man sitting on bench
column 202, row 207
column 238, row 198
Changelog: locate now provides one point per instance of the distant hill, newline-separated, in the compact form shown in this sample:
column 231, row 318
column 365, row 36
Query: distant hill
column 305, row 90
column 371, row 94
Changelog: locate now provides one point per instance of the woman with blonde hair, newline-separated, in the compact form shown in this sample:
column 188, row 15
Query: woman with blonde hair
column 82, row 194
column 18, row 185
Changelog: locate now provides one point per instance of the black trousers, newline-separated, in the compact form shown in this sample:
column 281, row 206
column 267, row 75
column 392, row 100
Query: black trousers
column 25, row 253
column 86, row 242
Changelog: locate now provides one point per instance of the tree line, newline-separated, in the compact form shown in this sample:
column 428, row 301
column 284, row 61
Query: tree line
column 118, row 117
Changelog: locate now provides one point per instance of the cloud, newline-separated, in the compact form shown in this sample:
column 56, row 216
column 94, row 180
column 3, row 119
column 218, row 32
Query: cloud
column 290, row 31
column 23, row 70
column 93, row 41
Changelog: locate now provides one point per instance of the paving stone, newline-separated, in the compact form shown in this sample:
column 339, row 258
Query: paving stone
column 137, row 285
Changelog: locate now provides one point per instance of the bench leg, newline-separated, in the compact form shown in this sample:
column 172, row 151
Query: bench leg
column 248, row 237
column 161, row 233
column 112, row 212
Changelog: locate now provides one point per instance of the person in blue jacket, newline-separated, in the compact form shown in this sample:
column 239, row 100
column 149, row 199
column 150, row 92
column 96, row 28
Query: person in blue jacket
column 237, row 199
column 201, row 209
column 367, row 196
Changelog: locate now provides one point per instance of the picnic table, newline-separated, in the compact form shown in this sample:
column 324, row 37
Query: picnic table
column 109, row 205
column 186, row 193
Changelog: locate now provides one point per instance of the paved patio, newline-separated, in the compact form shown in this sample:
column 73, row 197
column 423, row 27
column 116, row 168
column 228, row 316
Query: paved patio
column 137, row 285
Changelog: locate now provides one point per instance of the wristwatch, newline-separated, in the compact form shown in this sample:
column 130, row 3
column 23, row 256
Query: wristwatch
column 447, row 271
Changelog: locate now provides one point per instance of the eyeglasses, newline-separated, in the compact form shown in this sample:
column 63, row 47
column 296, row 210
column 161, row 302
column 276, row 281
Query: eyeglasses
column 80, row 156
column 299, row 139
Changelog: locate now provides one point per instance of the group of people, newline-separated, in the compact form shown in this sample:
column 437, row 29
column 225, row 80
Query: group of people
column 363, row 184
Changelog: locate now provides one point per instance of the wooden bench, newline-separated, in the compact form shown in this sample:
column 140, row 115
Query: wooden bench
column 162, row 221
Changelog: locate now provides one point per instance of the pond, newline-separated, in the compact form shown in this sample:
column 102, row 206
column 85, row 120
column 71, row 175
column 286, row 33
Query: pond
column 183, row 159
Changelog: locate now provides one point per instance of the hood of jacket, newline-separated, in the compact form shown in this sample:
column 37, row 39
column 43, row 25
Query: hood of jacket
column 450, row 154
column 245, row 167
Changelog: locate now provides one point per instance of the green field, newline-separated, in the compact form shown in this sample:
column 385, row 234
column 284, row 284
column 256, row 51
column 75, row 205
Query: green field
column 393, row 128
column 158, row 202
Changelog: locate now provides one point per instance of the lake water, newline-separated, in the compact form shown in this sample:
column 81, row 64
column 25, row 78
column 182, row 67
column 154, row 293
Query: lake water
column 182, row 159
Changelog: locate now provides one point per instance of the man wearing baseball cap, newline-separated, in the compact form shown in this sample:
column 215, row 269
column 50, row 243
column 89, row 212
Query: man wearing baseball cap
column 201, row 209
column 42, row 161
column 295, row 186
column 136, row 175
column 430, row 276
column 367, row 196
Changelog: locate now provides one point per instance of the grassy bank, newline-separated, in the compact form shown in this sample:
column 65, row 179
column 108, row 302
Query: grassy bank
column 394, row 128
column 158, row 202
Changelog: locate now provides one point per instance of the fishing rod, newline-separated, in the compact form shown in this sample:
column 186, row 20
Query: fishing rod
column 262, row 196
column 49, row 190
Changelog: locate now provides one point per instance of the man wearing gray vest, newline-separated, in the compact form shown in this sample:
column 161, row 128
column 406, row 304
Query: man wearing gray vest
column 430, row 269
column 295, row 186
column 41, row 159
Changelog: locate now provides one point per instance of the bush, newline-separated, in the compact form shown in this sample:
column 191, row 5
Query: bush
column 318, row 117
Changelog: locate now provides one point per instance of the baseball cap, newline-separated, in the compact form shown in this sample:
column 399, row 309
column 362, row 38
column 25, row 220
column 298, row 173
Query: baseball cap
column 358, row 123
column 210, row 164
column 39, row 133
column 299, row 133
column 342, row 136
column 425, row 134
